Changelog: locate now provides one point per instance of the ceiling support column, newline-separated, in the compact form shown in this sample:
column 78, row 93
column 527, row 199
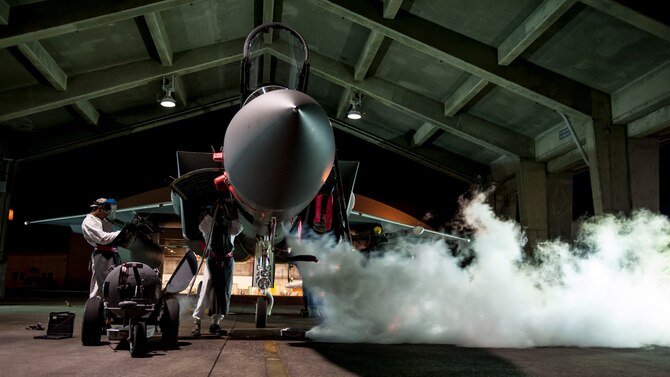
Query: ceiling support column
column 608, row 160
column 6, row 173
column 559, row 205
column 643, row 160
column 505, row 200
column 532, row 195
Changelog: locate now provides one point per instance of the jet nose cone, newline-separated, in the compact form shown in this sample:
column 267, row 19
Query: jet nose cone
column 278, row 150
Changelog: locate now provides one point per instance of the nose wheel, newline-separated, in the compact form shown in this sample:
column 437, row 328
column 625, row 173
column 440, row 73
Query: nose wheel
column 261, row 312
column 138, row 339
column 93, row 323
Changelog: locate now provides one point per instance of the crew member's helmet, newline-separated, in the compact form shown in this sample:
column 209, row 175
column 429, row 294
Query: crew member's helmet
column 107, row 205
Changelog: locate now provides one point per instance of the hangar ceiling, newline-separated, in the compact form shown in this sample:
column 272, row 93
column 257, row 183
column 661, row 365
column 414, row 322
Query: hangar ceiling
column 468, row 88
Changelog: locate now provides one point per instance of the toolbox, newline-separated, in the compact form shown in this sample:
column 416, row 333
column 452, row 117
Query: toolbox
column 61, row 325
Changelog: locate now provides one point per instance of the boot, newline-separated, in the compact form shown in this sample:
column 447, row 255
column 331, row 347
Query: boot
column 214, row 328
column 196, row 329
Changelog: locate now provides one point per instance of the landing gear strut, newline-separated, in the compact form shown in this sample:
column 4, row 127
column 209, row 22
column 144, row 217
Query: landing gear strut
column 264, row 274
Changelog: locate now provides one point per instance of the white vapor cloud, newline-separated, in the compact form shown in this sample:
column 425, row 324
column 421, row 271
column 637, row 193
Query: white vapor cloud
column 610, row 288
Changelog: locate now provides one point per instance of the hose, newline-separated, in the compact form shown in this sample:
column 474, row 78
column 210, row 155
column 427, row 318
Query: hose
column 574, row 138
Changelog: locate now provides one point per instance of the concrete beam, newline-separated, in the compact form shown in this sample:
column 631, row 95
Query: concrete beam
column 644, row 95
column 425, row 132
column 344, row 103
column 160, row 37
column 569, row 160
column 632, row 17
column 391, row 8
column 523, row 78
column 478, row 131
column 532, row 28
column 268, row 11
column 504, row 169
column 4, row 12
column 370, row 49
column 521, row 145
column 442, row 161
column 137, row 125
column 466, row 92
column 180, row 91
column 650, row 123
column 558, row 140
column 45, row 19
column 86, row 110
column 25, row 101
column 44, row 63
column 268, row 16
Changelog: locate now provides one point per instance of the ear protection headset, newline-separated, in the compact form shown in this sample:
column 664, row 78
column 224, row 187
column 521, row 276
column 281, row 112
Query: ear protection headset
column 104, row 203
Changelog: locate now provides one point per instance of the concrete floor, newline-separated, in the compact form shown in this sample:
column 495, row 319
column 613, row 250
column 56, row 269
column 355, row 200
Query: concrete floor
column 248, row 351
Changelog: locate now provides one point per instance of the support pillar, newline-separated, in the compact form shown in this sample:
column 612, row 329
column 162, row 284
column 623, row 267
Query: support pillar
column 608, row 160
column 532, row 196
column 6, row 172
column 506, row 200
column 643, row 162
column 559, row 203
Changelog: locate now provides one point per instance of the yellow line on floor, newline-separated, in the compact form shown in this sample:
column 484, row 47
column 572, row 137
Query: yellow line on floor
column 273, row 363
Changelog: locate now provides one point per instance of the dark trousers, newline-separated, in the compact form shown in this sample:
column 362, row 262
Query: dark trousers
column 101, row 262
column 221, row 271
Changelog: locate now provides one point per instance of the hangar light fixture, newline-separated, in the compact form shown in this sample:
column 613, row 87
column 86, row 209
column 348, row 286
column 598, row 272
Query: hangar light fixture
column 168, row 87
column 355, row 106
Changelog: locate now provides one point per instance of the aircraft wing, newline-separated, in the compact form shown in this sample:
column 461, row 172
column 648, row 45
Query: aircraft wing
column 366, row 213
column 124, row 215
column 391, row 227
column 142, row 249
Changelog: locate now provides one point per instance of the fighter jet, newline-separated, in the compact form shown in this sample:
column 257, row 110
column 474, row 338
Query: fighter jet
column 278, row 153
column 279, row 168
column 279, row 165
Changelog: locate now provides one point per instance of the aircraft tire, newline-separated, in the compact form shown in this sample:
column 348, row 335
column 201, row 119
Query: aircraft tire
column 261, row 312
column 138, row 339
column 170, row 323
column 93, row 321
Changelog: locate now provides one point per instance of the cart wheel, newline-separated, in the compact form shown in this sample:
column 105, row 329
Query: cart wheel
column 170, row 323
column 93, row 322
column 138, row 339
column 261, row 312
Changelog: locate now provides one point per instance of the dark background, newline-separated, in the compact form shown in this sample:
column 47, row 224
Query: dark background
column 65, row 184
